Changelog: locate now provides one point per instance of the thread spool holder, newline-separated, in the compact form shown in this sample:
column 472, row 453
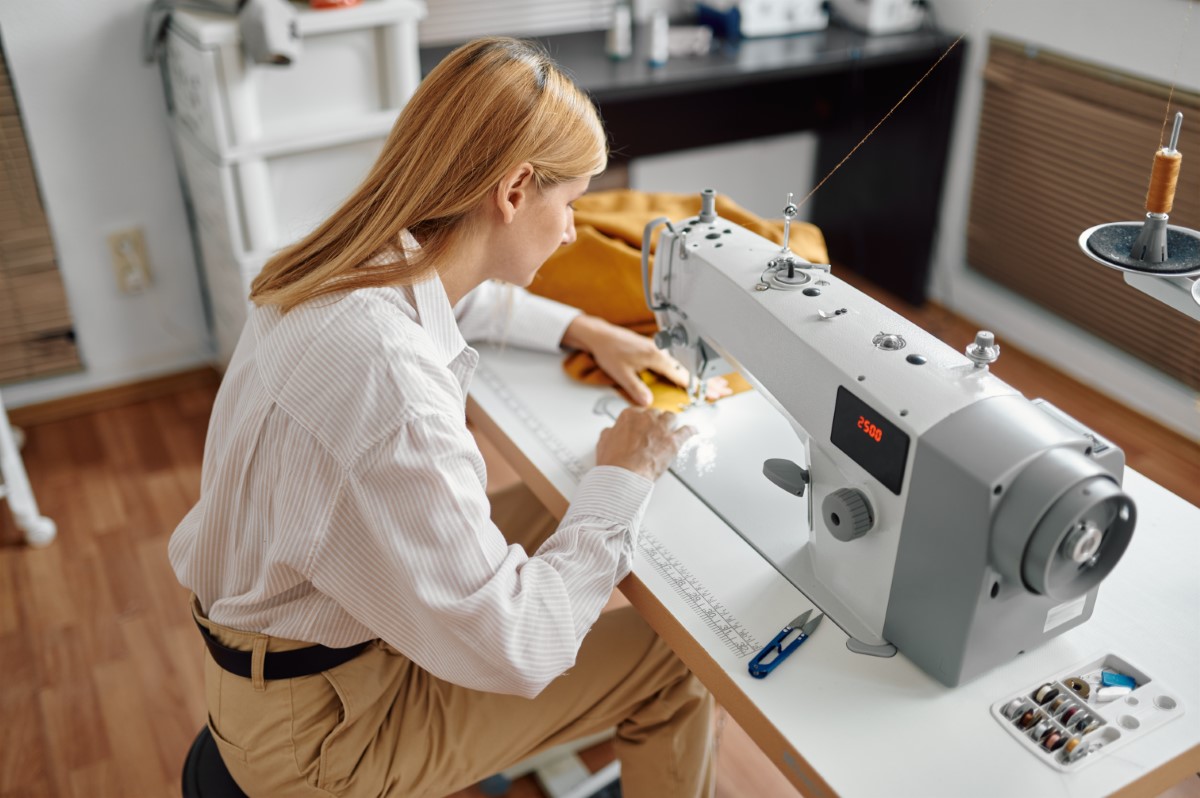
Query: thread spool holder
column 1158, row 258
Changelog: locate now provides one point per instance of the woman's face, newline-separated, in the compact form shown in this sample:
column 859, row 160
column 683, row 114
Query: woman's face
column 544, row 223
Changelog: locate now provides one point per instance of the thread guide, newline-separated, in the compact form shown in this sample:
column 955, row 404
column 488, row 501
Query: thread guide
column 1058, row 708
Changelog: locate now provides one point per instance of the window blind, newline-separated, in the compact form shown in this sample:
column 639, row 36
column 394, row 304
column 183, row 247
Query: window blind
column 1065, row 145
column 36, row 332
column 452, row 21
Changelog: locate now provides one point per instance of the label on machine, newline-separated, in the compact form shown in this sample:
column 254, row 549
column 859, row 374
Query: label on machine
column 875, row 443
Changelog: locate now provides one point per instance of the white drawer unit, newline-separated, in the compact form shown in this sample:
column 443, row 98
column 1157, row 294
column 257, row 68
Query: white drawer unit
column 268, row 202
column 357, row 67
column 267, row 152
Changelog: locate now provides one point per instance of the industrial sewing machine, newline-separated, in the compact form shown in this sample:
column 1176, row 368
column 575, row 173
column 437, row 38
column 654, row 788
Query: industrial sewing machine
column 947, row 515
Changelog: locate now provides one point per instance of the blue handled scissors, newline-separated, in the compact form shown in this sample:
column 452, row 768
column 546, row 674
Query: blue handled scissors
column 776, row 651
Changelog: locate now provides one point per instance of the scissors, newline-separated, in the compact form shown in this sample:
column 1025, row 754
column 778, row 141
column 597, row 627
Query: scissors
column 776, row 652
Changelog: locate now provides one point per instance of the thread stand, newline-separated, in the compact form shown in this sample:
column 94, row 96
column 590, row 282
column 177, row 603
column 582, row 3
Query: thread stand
column 1158, row 258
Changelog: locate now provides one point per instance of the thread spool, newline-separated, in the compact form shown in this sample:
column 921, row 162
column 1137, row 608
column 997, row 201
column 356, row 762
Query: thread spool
column 1164, row 177
column 1044, row 693
column 660, row 31
column 619, row 44
column 1152, row 246
column 1057, row 704
column 1027, row 719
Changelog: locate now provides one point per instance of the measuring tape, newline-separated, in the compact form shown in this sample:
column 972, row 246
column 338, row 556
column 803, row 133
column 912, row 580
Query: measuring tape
column 715, row 615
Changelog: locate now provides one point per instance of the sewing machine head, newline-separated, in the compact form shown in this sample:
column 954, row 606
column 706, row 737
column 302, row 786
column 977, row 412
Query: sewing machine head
column 948, row 515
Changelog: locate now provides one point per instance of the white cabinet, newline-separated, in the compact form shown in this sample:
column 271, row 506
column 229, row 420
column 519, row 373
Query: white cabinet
column 267, row 152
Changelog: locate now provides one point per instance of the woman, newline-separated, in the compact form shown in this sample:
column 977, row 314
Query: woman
column 370, row 631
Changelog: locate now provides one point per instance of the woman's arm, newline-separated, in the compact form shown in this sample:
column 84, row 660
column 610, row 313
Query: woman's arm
column 501, row 313
column 411, row 553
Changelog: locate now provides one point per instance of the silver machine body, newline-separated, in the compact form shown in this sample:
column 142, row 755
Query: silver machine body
column 948, row 517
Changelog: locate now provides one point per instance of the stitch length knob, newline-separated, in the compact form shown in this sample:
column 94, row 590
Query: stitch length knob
column 847, row 514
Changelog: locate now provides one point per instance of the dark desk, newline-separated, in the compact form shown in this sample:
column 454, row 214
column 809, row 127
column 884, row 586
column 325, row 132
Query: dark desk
column 880, row 211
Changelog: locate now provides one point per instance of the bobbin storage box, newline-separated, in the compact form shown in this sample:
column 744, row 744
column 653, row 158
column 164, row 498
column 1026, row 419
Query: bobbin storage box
column 356, row 67
column 1066, row 723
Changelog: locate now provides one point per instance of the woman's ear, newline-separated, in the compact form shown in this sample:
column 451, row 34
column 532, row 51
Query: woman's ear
column 514, row 191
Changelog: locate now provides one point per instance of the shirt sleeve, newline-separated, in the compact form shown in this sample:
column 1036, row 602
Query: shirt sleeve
column 502, row 313
column 412, row 554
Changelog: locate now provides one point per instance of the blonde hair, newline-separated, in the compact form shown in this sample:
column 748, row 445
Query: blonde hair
column 489, row 106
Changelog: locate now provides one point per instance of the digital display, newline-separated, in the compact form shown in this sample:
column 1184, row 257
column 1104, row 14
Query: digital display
column 871, row 440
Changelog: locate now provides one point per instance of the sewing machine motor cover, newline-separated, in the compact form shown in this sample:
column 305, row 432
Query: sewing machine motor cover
column 962, row 602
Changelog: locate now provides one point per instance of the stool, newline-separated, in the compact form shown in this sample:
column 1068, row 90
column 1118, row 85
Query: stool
column 14, row 486
column 204, row 772
column 561, row 773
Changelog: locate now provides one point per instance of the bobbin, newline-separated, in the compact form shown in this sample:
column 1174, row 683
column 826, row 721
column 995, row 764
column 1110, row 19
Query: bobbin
column 1043, row 728
column 1074, row 749
column 1053, row 740
column 1012, row 710
column 1079, row 686
column 1044, row 693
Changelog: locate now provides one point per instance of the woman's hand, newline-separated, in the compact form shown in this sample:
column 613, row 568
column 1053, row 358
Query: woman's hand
column 622, row 354
column 645, row 441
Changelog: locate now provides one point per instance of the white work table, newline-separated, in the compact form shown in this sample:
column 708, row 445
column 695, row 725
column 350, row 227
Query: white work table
column 840, row 723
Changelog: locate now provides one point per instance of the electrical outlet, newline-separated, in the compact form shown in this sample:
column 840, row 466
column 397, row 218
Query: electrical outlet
column 130, row 264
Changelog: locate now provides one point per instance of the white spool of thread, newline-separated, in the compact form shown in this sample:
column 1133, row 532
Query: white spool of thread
column 659, row 38
column 620, row 33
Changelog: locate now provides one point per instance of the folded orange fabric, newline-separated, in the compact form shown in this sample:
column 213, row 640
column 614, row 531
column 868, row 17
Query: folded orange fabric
column 601, row 273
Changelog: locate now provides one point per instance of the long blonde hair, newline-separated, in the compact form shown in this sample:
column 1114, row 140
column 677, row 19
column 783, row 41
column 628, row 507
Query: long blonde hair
column 490, row 105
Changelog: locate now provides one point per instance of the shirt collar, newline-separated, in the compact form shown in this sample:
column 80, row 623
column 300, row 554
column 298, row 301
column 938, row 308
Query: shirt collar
column 437, row 318
column 434, row 312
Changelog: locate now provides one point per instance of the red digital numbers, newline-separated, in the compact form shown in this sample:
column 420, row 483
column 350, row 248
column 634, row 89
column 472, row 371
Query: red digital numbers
column 873, row 432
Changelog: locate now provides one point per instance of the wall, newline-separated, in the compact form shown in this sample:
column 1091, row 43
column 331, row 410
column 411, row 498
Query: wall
column 1156, row 39
column 96, row 122
column 758, row 173
column 95, row 118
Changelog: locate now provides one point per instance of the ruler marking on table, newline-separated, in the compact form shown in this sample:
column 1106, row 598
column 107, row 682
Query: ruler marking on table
column 699, row 598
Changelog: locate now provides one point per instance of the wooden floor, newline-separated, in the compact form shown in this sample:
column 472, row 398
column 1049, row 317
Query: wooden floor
column 100, row 667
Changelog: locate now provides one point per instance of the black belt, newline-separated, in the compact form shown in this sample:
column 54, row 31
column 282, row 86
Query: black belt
column 281, row 664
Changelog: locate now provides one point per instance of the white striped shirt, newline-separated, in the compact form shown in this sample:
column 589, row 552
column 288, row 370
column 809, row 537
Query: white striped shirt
column 342, row 496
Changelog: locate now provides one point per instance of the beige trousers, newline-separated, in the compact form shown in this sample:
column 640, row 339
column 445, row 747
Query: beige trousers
column 380, row 725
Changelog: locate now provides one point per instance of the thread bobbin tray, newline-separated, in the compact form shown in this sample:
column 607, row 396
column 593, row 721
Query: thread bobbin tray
column 1066, row 726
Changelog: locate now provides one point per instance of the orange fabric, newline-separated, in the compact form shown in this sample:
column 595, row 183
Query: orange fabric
column 601, row 273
